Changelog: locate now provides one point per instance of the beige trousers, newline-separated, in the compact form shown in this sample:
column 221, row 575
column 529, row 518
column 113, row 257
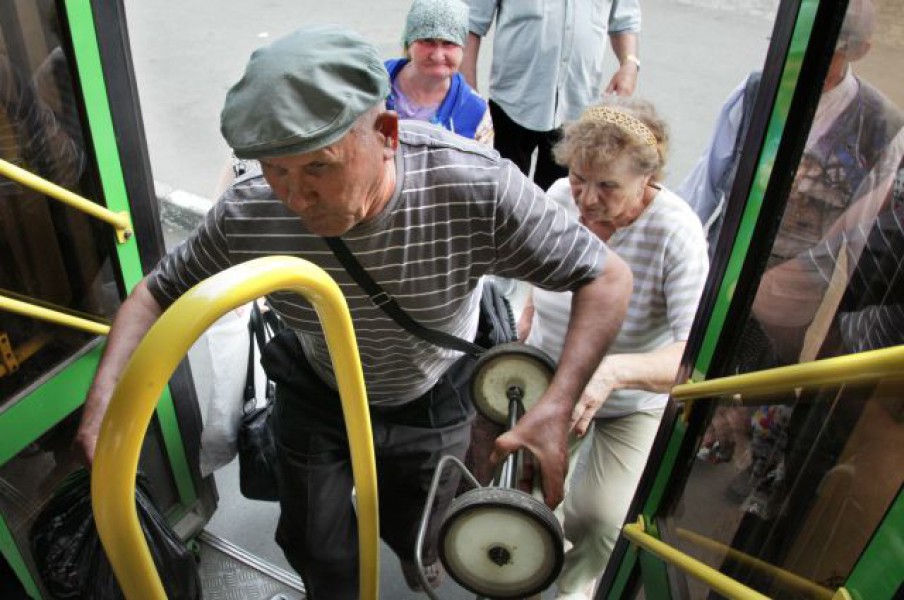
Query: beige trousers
column 597, row 501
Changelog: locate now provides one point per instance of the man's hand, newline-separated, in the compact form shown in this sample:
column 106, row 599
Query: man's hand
column 624, row 81
column 133, row 320
column 542, row 431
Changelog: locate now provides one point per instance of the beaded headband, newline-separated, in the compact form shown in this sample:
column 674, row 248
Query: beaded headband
column 622, row 120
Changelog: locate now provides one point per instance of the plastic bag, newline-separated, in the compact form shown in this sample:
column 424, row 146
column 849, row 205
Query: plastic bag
column 72, row 563
column 225, row 344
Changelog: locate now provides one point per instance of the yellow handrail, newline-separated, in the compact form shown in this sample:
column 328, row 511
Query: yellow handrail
column 800, row 585
column 865, row 367
column 54, row 316
column 719, row 582
column 119, row 221
column 149, row 369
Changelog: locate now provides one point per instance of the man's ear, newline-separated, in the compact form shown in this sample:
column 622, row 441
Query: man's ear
column 387, row 124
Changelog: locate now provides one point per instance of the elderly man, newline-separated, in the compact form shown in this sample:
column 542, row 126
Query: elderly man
column 426, row 213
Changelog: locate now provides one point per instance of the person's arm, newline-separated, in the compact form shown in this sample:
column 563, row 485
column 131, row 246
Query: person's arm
column 624, row 81
column 468, row 67
column 543, row 430
column 133, row 320
column 650, row 371
column 527, row 316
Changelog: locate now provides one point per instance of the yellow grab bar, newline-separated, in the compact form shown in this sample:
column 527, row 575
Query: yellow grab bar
column 865, row 367
column 149, row 369
column 802, row 586
column 54, row 316
column 119, row 221
column 717, row 581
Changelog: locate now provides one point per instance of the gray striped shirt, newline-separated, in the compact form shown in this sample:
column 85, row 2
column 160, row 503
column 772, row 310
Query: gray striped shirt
column 459, row 212
column 666, row 251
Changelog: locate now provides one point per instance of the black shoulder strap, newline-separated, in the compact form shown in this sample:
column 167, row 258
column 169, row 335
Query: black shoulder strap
column 387, row 303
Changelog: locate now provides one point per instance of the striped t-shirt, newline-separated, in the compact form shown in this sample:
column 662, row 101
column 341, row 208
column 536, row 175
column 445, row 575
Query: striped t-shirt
column 666, row 251
column 459, row 212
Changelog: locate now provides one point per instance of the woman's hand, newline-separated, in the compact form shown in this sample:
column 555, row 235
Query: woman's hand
column 598, row 389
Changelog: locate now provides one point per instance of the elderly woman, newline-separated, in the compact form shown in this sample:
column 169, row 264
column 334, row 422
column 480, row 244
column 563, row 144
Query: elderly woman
column 426, row 84
column 615, row 154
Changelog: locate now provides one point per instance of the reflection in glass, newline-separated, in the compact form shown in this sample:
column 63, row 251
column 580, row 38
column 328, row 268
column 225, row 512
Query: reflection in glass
column 802, row 480
column 50, row 254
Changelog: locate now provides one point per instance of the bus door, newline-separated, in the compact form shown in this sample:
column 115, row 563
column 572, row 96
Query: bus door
column 785, row 481
column 78, row 229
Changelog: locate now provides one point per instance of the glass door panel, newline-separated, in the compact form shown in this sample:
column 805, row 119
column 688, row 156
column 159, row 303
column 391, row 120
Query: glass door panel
column 50, row 255
column 786, row 493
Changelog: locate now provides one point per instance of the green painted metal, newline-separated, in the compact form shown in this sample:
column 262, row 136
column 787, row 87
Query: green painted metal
column 879, row 573
column 100, row 120
column 11, row 552
column 618, row 589
column 100, row 123
column 28, row 419
column 666, row 466
column 653, row 570
column 774, row 134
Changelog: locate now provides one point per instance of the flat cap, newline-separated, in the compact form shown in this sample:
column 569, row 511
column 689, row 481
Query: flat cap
column 302, row 93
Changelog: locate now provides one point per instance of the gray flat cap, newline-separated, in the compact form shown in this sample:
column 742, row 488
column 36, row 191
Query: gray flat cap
column 302, row 92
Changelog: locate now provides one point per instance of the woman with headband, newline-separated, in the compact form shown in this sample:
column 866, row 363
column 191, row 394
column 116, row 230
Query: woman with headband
column 615, row 154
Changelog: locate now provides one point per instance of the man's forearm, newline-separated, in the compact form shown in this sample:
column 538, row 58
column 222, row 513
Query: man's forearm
column 134, row 318
column 624, row 44
column 597, row 311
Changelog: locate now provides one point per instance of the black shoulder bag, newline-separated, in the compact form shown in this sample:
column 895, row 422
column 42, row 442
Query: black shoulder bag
column 497, row 321
column 256, row 443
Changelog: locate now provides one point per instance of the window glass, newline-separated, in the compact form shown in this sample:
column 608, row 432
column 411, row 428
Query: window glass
column 801, row 480
column 51, row 255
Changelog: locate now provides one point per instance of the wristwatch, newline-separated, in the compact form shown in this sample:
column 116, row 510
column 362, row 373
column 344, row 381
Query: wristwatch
column 632, row 58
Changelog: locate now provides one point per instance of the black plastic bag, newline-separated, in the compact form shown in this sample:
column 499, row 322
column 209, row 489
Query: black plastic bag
column 71, row 561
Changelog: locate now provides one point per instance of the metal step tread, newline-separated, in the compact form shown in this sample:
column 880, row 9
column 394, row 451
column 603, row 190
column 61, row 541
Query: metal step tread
column 230, row 573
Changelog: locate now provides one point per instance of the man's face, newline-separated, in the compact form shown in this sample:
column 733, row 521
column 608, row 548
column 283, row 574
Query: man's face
column 334, row 188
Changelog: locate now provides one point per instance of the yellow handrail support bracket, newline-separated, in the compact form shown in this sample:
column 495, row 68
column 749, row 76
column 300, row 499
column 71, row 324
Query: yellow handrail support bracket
column 717, row 581
column 120, row 221
column 150, row 368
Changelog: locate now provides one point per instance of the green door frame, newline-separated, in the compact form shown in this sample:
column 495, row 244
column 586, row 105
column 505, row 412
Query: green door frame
column 64, row 390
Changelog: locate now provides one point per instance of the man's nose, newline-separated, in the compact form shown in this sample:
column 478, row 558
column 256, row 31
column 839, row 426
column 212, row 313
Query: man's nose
column 299, row 195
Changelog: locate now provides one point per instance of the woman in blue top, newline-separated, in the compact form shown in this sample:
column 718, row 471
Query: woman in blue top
column 426, row 84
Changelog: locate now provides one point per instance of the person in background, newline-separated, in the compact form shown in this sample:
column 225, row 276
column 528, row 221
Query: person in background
column 426, row 84
column 615, row 155
column 426, row 213
column 548, row 67
column 852, row 125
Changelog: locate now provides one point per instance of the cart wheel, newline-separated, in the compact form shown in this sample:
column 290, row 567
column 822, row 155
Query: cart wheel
column 501, row 543
column 507, row 366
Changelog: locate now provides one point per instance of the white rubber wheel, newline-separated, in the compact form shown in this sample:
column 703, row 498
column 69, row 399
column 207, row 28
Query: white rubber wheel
column 501, row 543
column 505, row 366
